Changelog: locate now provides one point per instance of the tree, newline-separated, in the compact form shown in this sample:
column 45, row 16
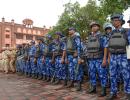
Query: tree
column 80, row 17
column 67, row 19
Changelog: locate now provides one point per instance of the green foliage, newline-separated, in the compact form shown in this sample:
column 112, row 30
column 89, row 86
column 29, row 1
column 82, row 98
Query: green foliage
column 80, row 17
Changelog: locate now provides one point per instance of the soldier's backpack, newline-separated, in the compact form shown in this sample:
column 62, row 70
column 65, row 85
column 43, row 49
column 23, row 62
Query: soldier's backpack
column 118, row 41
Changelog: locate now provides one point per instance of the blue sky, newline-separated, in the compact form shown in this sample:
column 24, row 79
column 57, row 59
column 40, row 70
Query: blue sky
column 42, row 12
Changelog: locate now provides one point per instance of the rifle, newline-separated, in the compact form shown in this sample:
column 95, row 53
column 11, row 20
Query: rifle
column 77, row 70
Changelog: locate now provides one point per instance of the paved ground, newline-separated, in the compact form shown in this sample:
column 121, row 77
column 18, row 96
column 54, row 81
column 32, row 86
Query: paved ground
column 14, row 87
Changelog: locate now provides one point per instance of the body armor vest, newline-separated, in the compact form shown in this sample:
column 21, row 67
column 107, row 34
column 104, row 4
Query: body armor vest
column 94, row 47
column 70, row 45
column 118, row 42
column 47, row 52
column 58, row 51
column 37, row 51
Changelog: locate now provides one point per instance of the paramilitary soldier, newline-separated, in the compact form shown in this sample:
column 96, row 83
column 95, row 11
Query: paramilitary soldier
column 32, row 60
column 108, row 29
column 27, row 64
column 95, row 57
column 22, row 60
column 49, row 59
column 40, row 56
column 18, row 59
column 73, row 50
column 59, row 53
column 117, row 43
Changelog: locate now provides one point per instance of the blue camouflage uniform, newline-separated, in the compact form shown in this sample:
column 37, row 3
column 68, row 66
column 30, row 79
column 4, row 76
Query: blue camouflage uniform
column 119, row 66
column 72, row 61
column 59, row 67
column 18, row 61
column 95, row 66
column 129, row 42
column 119, row 77
column 40, row 63
column 27, row 64
column 49, row 67
column 105, row 39
column 32, row 53
column 23, row 62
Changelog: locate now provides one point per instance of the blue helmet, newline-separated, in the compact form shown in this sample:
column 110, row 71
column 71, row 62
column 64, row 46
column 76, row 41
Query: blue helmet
column 40, row 38
column 48, row 36
column 123, row 21
column 59, row 33
column 128, row 21
column 72, row 28
column 119, row 16
column 18, row 46
column 107, row 25
column 33, row 42
column 94, row 23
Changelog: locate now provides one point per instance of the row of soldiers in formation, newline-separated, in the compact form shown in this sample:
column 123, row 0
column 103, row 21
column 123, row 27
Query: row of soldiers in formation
column 64, row 57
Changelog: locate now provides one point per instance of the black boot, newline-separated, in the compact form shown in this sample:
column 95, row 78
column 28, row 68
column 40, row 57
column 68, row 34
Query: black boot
column 124, row 98
column 57, row 81
column 71, row 84
column 78, row 86
column 103, row 92
column 44, row 77
column 128, row 96
column 40, row 77
column 48, row 79
column 92, row 89
column 52, row 80
column 111, row 97
column 118, row 86
column 36, row 76
column 65, row 83
column 25, row 73
column 33, row 76
column 29, row 75
column 20, row 74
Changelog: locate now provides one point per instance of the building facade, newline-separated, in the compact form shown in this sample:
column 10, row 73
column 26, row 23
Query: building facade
column 12, row 33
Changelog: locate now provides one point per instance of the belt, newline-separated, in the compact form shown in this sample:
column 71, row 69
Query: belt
column 20, row 57
column 70, row 53
column 118, row 53
column 31, row 56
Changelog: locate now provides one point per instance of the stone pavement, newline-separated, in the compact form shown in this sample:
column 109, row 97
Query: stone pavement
column 14, row 87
